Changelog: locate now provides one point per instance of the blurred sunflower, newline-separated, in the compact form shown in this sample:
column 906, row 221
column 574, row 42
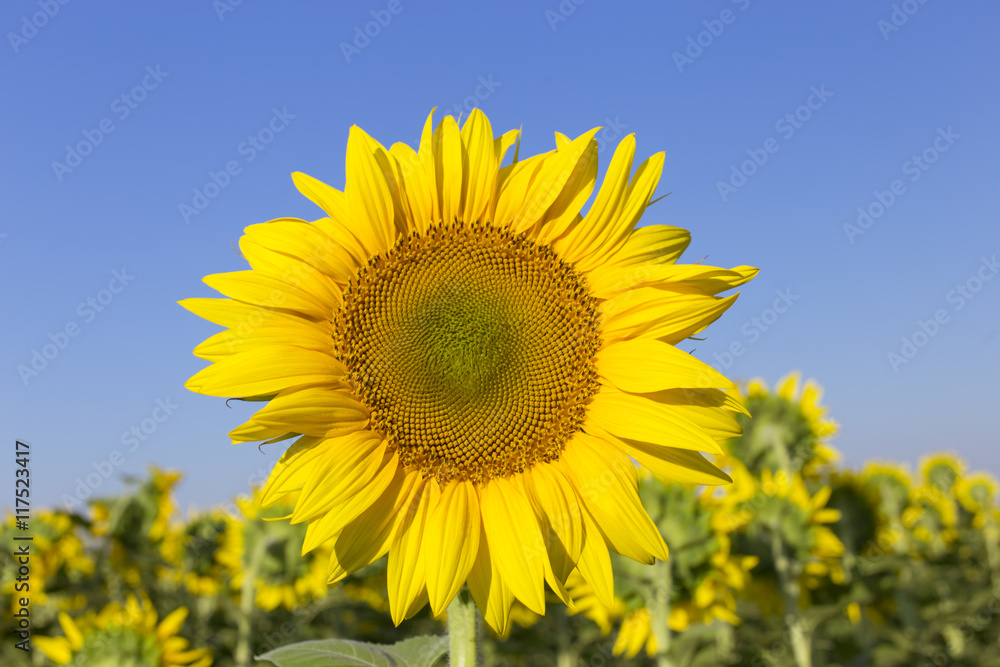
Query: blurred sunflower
column 942, row 471
column 136, row 525
column 123, row 636
column 193, row 554
column 702, row 578
column 789, row 430
column 269, row 551
column 978, row 494
column 470, row 361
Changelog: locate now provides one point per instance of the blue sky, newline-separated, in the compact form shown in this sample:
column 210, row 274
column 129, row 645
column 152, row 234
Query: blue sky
column 778, row 123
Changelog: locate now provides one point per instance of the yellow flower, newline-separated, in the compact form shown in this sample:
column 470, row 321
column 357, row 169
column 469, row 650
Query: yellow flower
column 193, row 553
column 470, row 362
column 942, row 471
column 123, row 635
column 978, row 494
column 790, row 430
column 281, row 577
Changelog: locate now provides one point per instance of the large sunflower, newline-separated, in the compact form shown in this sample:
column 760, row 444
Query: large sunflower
column 470, row 363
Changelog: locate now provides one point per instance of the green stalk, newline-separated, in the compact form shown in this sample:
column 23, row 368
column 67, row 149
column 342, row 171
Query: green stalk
column 248, row 592
column 788, row 581
column 992, row 536
column 462, row 631
column 565, row 655
column 658, row 603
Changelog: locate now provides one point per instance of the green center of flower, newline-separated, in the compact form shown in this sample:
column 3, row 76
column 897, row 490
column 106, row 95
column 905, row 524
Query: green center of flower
column 473, row 348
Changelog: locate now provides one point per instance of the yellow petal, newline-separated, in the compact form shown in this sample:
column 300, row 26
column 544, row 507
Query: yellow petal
column 660, row 244
column 586, row 238
column 642, row 365
column 171, row 625
column 368, row 195
column 447, row 143
column 552, row 178
column 336, row 204
column 306, row 243
column 295, row 467
column 671, row 464
column 606, row 481
column 264, row 327
column 349, row 466
column 266, row 370
column 617, row 231
column 653, row 313
column 638, row 418
column 452, row 539
column 678, row 278
column 493, row 597
column 225, row 312
column 56, row 649
column 338, row 516
column 318, row 411
column 407, row 578
column 369, row 536
column 73, row 633
column 515, row 541
column 270, row 292
column 418, row 185
column 558, row 508
column 481, row 167
column 575, row 193
column 595, row 563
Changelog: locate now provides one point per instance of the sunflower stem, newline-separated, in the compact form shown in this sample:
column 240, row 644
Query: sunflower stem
column 247, row 601
column 658, row 603
column 565, row 655
column 788, row 582
column 462, row 631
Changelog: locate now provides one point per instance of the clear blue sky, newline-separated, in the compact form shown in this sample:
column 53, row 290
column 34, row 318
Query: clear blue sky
column 210, row 78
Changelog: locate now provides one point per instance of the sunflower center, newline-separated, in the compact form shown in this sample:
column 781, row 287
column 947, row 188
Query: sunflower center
column 473, row 348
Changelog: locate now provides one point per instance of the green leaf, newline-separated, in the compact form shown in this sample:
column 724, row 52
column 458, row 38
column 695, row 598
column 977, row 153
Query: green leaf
column 415, row 652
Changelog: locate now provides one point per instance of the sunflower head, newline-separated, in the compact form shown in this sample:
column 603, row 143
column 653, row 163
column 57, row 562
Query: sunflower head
column 942, row 471
column 470, row 363
column 892, row 484
column 789, row 430
column 123, row 636
column 978, row 494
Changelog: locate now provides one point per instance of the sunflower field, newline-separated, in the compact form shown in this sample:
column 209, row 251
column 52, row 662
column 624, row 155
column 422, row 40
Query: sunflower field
column 800, row 561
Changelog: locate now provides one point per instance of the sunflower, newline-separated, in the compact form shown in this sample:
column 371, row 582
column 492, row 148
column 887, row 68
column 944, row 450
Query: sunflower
column 942, row 471
column 468, row 363
column 193, row 554
column 789, row 430
column 120, row 636
column 255, row 545
column 978, row 494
